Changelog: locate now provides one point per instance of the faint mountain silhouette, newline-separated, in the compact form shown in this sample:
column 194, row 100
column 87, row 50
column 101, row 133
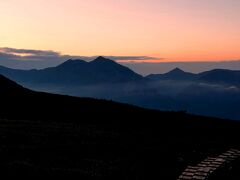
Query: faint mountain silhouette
column 175, row 74
column 221, row 76
column 217, row 76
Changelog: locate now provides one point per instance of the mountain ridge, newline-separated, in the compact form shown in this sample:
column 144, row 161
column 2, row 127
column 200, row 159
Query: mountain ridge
column 100, row 70
column 175, row 74
column 213, row 76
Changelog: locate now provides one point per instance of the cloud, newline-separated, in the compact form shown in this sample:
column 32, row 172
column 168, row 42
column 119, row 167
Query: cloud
column 5, row 55
column 29, row 52
column 30, row 58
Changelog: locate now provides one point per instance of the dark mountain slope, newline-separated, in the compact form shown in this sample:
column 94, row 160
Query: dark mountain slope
column 17, row 75
column 10, row 88
column 20, row 103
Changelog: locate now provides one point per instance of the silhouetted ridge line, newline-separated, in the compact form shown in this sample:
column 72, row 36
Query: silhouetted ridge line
column 76, row 72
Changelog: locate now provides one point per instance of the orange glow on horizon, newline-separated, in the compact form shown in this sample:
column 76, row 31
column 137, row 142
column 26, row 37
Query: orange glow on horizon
column 176, row 30
column 166, row 61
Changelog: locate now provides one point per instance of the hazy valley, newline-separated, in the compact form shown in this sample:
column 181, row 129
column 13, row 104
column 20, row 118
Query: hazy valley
column 213, row 93
column 47, row 134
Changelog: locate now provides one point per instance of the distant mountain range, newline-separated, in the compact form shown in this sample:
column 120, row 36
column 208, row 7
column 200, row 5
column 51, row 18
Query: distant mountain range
column 221, row 76
column 105, row 71
column 211, row 93
column 75, row 72
column 218, row 76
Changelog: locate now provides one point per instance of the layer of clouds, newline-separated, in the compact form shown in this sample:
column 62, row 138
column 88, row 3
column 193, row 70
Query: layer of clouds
column 38, row 59
column 7, row 50
column 29, row 58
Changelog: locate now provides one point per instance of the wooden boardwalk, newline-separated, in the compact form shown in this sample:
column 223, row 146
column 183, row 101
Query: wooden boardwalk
column 204, row 169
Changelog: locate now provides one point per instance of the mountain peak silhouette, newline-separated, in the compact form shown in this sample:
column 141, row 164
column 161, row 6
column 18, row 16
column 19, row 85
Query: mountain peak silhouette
column 102, row 59
column 76, row 72
column 175, row 74
column 176, row 71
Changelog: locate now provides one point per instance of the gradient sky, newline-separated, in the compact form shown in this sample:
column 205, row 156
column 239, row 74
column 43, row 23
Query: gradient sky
column 177, row 30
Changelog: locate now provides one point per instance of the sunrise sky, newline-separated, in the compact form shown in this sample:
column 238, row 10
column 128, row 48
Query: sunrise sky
column 170, row 30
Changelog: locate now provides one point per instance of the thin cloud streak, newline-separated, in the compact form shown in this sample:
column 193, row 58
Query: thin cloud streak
column 29, row 51
column 38, row 59
column 30, row 54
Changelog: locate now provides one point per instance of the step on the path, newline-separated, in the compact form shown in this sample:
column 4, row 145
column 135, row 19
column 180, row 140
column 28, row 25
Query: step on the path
column 205, row 168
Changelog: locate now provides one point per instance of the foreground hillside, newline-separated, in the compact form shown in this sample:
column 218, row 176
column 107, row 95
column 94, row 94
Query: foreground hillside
column 46, row 134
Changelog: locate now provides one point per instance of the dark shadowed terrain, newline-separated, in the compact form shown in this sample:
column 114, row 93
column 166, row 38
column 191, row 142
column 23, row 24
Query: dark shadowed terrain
column 45, row 134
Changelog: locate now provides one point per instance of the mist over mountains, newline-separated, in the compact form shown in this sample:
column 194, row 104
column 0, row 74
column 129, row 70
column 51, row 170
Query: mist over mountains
column 211, row 93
